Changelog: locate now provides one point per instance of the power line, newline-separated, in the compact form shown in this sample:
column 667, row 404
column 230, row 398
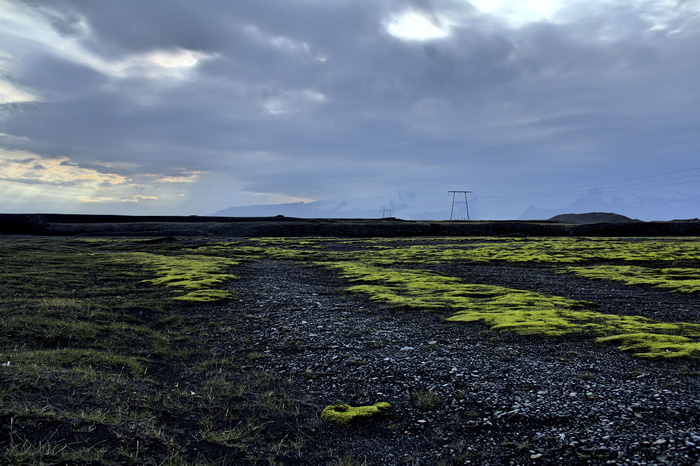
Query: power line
column 580, row 190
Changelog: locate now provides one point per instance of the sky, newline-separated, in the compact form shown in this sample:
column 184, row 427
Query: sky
column 175, row 107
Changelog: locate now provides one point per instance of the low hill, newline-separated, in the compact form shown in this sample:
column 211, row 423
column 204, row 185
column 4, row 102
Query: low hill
column 593, row 217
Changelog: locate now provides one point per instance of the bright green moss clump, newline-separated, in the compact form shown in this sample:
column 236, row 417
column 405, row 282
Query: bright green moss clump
column 195, row 275
column 656, row 346
column 346, row 414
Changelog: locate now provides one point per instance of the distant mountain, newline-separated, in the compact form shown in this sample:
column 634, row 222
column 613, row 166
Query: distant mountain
column 316, row 209
column 404, row 205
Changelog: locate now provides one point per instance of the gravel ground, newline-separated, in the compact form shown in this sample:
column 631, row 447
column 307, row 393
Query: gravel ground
column 501, row 398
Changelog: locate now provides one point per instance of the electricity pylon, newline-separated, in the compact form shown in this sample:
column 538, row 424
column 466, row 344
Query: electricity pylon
column 455, row 201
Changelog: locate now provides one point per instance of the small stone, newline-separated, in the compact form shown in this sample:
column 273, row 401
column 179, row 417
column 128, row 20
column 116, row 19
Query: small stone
column 422, row 421
column 407, row 348
column 660, row 441
column 536, row 456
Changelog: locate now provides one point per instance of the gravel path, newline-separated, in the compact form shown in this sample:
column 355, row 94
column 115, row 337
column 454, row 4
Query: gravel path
column 500, row 398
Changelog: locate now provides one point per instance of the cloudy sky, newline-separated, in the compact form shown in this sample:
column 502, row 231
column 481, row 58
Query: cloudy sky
column 178, row 107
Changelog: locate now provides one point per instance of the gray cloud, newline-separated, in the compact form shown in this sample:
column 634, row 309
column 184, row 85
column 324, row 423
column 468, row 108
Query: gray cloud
column 317, row 99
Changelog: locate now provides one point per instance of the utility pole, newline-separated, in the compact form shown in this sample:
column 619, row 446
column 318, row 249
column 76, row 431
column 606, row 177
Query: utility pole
column 456, row 201
column 385, row 212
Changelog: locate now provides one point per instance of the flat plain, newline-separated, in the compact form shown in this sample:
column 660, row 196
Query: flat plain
column 481, row 350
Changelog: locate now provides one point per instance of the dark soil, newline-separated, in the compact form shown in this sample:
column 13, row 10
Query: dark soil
column 141, row 226
column 500, row 398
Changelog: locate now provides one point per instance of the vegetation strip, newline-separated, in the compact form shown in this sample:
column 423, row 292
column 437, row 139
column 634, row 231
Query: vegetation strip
column 681, row 280
column 519, row 311
column 194, row 275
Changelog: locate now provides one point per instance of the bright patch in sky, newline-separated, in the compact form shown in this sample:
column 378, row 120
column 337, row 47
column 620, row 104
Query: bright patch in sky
column 157, row 64
column 24, row 167
column 10, row 93
column 519, row 12
column 24, row 173
column 175, row 58
column 412, row 26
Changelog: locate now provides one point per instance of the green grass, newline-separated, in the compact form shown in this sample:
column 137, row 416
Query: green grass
column 425, row 400
column 100, row 365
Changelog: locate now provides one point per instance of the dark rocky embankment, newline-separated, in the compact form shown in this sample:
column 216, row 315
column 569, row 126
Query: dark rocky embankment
column 121, row 225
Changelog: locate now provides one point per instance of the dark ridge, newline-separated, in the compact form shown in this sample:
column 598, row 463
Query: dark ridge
column 174, row 226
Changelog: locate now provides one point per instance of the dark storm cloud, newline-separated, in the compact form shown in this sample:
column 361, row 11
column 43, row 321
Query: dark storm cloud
column 335, row 100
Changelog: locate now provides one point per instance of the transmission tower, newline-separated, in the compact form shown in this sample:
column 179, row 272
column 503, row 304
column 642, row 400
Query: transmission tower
column 457, row 200
column 386, row 213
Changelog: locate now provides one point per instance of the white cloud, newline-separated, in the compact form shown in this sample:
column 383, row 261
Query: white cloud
column 414, row 26
column 283, row 43
column 156, row 64
column 10, row 93
column 139, row 198
column 292, row 101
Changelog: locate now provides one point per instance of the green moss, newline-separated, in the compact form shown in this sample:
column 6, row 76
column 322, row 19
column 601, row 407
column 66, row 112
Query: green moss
column 682, row 280
column 345, row 414
column 520, row 311
column 538, row 250
column 204, row 296
column 656, row 346
column 196, row 274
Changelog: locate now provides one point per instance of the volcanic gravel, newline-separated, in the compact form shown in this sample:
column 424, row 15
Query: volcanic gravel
column 503, row 398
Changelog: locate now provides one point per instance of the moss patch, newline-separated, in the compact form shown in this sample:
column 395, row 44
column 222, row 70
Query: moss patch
column 194, row 275
column 682, row 280
column 345, row 414
column 539, row 250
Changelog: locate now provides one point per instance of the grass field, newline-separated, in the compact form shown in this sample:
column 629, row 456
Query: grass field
column 104, row 354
